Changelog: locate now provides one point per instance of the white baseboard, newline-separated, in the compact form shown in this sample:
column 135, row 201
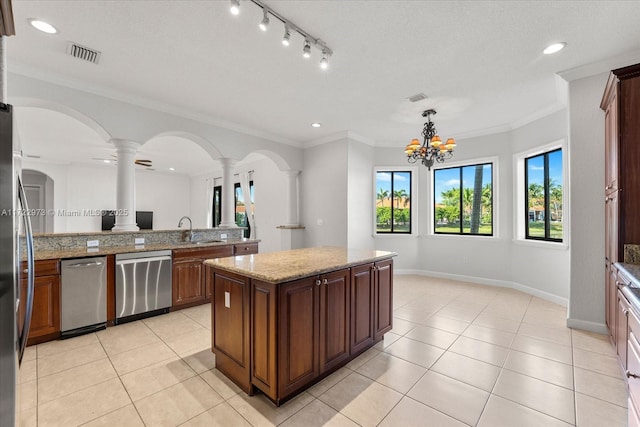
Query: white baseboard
column 491, row 282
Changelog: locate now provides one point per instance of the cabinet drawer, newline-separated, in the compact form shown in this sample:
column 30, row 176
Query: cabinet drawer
column 45, row 267
column 246, row 248
column 203, row 253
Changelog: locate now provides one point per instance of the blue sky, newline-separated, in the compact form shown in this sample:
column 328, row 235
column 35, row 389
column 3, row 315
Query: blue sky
column 446, row 179
column 536, row 168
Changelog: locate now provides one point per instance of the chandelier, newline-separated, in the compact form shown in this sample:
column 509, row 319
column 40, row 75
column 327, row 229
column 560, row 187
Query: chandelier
column 432, row 149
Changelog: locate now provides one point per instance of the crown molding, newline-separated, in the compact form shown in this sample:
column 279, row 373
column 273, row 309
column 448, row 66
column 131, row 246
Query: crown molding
column 603, row 66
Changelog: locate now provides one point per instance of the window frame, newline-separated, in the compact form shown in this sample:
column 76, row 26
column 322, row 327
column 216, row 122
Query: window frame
column 413, row 215
column 519, row 200
column 547, row 217
column 493, row 161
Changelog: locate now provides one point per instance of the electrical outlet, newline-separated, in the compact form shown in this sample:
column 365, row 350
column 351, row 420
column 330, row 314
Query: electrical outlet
column 139, row 241
column 223, row 235
column 93, row 243
column 227, row 300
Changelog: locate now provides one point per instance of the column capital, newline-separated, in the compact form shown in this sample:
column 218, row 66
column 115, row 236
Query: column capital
column 227, row 161
column 292, row 173
column 125, row 144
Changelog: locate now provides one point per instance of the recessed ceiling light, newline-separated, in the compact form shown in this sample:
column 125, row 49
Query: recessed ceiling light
column 107, row 161
column 45, row 27
column 553, row 48
column 316, row 125
column 172, row 169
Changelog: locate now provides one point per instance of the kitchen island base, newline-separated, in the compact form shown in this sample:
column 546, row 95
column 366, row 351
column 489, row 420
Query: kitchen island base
column 282, row 336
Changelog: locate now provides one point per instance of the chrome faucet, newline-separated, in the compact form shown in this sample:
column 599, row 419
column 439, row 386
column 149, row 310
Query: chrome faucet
column 190, row 228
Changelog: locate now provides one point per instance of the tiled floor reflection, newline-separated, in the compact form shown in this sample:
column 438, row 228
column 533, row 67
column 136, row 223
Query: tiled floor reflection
column 459, row 355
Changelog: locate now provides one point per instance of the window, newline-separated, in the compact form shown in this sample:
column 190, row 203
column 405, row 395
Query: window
column 240, row 213
column 393, row 202
column 543, row 196
column 217, row 203
column 463, row 200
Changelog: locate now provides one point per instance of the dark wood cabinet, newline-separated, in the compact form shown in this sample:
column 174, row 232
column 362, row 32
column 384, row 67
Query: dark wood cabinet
column 621, row 104
column 622, row 325
column 383, row 279
column 245, row 249
column 362, row 303
column 633, row 367
column 230, row 324
column 45, row 317
column 335, row 319
column 188, row 281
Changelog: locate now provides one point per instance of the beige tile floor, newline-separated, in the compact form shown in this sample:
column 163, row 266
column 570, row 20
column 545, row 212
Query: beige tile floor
column 459, row 354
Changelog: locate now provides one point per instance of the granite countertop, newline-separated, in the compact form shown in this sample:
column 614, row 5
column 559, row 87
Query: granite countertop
column 632, row 271
column 284, row 266
column 110, row 250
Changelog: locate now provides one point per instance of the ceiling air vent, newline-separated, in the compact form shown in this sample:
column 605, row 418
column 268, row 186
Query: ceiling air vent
column 82, row 52
column 418, row 97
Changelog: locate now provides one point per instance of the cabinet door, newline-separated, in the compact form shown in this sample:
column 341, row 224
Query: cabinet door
column 622, row 328
column 45, row 318
column 187, row 283
column 383, row 310
column 298, row 334
column 335, row 320
column 263, row 337
column 230, row 326
column 611, row 227
column 612, row 301
column 362, row 303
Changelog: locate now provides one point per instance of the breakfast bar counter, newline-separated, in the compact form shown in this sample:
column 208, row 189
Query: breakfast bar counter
column 282, row 321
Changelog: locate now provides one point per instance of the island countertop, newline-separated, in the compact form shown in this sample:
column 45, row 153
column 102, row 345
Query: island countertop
column 285, row 266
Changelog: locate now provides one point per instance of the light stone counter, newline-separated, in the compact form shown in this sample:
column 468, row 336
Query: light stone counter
column 285, row 266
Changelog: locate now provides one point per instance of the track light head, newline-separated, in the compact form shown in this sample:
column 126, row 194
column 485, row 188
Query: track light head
column 235, row 7
column 265, row 20
column 287, row 36
column 324, row 62
column 306, row 50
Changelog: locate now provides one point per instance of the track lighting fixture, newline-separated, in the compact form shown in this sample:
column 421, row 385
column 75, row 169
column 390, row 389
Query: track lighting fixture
column 289, row 27
column 265, row 20
column 235, row 7
column 324, row 62
column 306, row 50
column 287, row 36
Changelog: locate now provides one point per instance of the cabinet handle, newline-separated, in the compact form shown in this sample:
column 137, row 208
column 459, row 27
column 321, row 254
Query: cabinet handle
column 625, row 312
column 318, row 282
column 606, row 199
column 608, row 187
column 630, row 374
column 325, row 281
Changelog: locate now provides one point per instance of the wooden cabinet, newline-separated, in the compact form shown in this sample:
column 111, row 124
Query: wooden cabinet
column 621, row 104
column 633, row 366
column 622, row 325
column 383, row 317
column 188, row 280
column 302, row 330
column 230, row 333
column 45, row 317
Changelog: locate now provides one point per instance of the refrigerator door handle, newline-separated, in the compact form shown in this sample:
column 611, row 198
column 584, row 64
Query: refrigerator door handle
column 30, row 267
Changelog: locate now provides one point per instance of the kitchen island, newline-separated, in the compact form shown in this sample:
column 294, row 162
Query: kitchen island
column 282, row 321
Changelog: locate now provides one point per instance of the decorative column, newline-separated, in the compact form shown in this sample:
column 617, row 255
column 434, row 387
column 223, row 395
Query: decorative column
column 228, row 214
column 291, row 218
column 126, row 185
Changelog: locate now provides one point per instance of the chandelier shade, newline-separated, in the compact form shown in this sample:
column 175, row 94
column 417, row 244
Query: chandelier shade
column 432, row 150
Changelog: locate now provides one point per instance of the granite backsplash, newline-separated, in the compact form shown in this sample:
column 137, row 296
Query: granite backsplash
column 67, row 241
column 632, row 254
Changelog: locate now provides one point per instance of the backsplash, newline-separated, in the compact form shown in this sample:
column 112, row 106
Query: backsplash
column 632, row 254
column 67, row 241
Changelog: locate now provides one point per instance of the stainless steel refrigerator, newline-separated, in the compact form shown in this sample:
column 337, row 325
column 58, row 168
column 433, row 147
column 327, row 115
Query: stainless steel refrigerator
column 16, row 269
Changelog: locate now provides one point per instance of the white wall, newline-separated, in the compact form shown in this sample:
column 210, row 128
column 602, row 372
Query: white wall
column 360, row 189
column 84, row 189
column 498, row 260
column 270, row 185
column 587, row 203
column 323, row 194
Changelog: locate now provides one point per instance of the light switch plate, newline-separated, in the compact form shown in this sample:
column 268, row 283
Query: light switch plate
column 227, row 300
column 139, row 241
column 93, row 243
column 223, row 235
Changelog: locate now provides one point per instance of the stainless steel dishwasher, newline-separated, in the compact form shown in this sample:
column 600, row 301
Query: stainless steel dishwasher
column 143, row 284
column 83, row 295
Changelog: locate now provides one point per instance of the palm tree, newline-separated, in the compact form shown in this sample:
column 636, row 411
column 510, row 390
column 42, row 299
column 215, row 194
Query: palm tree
column 477, row 200
column 382, row 194
column 399, row 195
column 555, row 199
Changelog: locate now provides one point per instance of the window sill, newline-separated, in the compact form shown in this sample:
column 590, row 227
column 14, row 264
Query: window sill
column 388, row 235
column 475, row 237
column 558, row 246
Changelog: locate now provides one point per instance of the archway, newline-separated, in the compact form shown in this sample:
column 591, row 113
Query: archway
column 39, row 189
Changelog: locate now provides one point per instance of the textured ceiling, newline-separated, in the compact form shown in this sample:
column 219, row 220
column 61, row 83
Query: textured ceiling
column 480, row 62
